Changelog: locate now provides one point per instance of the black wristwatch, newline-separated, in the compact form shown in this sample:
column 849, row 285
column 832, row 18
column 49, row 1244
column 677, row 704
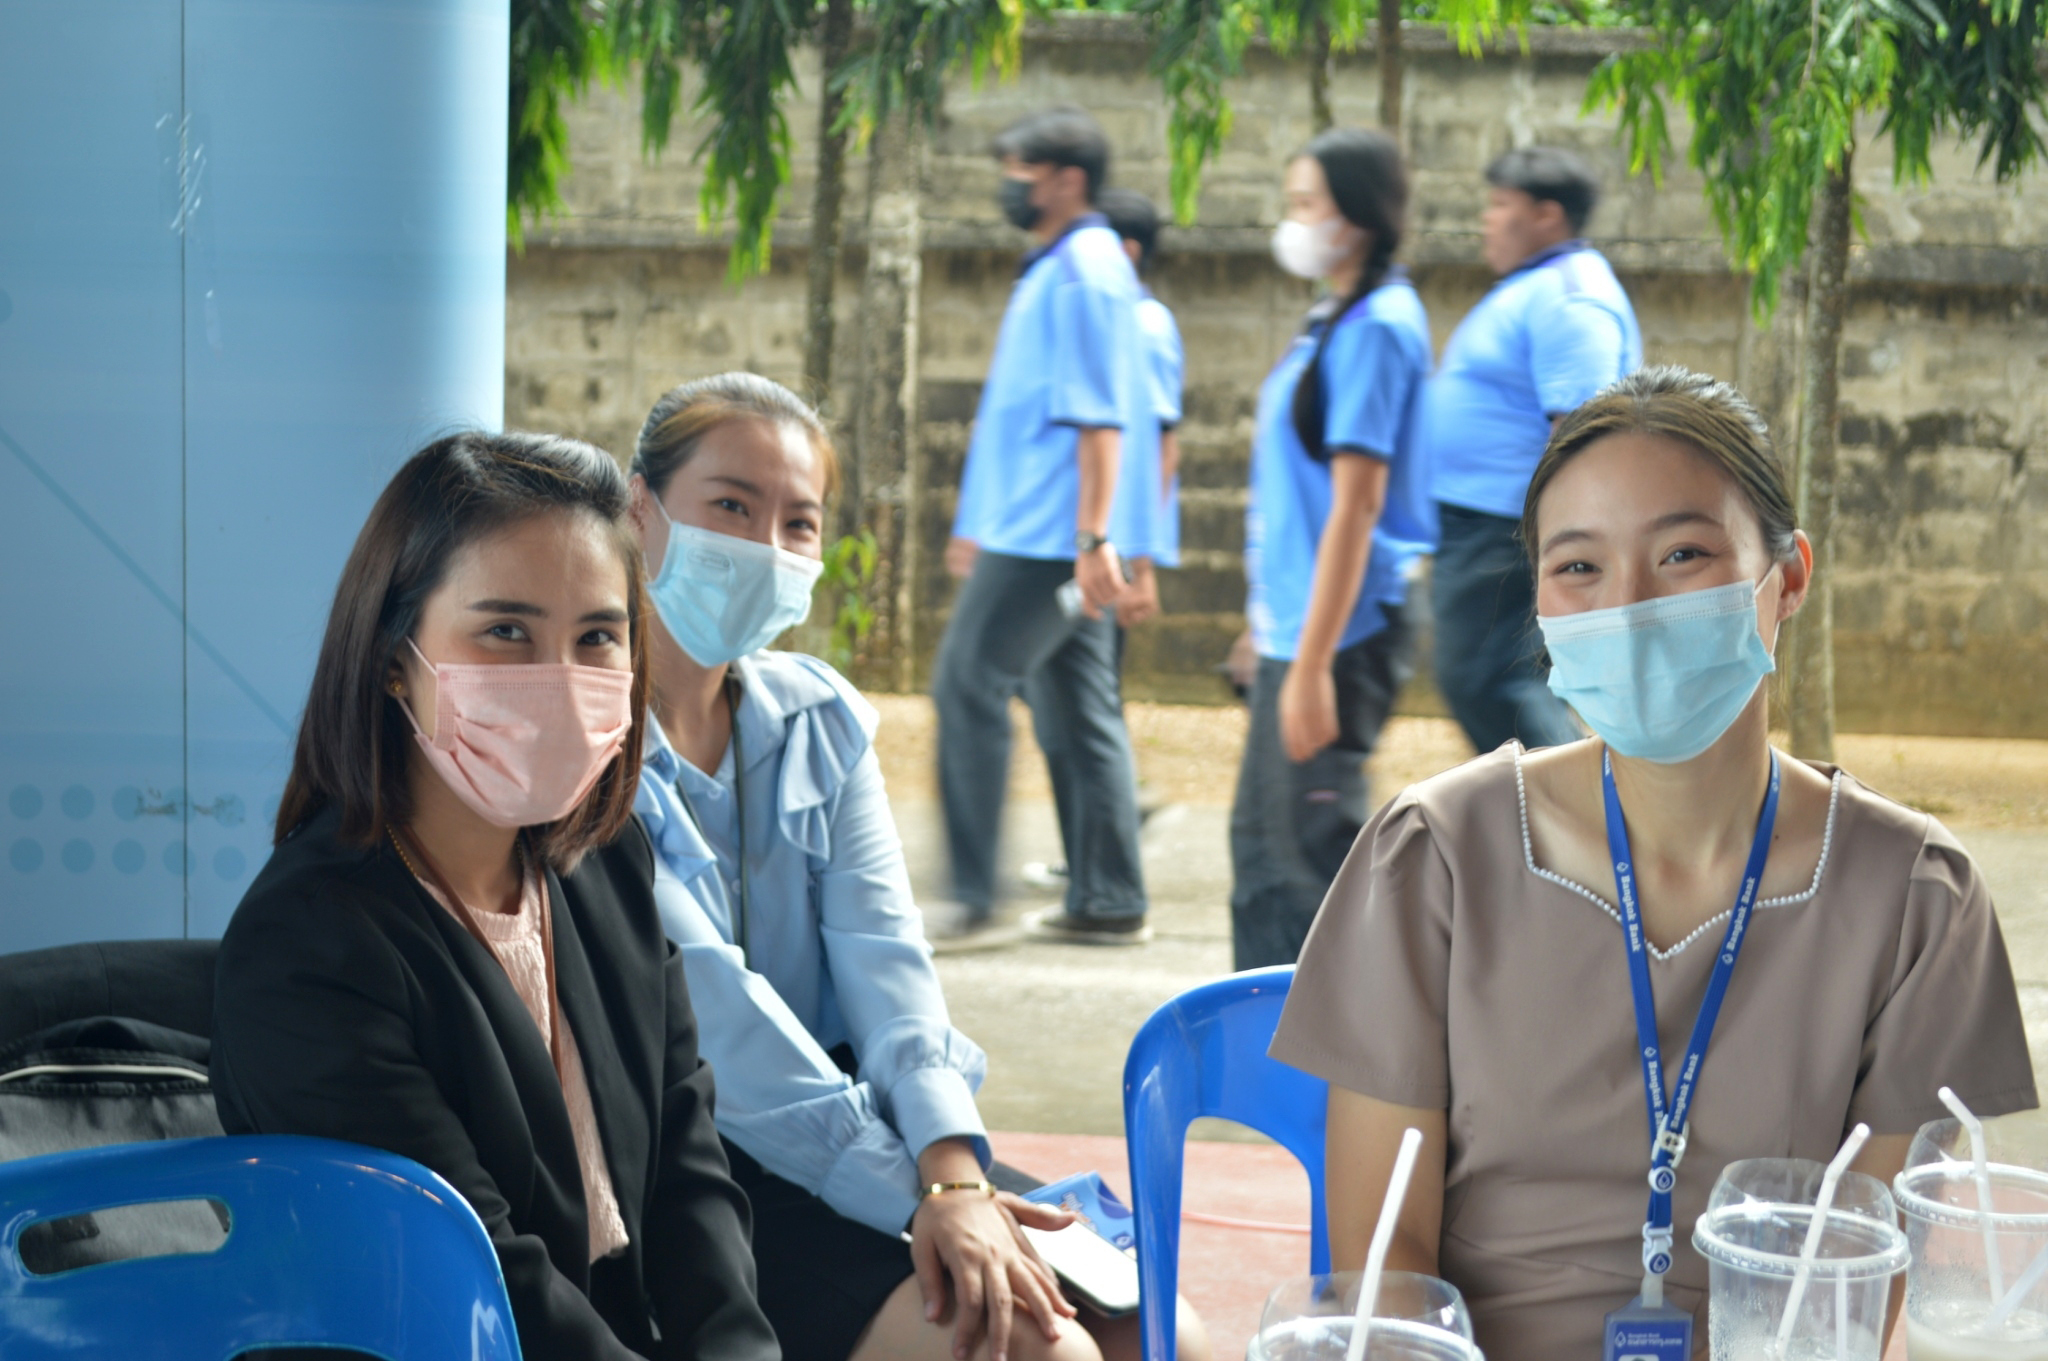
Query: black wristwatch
column 1087, row 541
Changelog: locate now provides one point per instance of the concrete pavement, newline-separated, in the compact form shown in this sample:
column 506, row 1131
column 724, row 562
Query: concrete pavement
column 1057, row 1020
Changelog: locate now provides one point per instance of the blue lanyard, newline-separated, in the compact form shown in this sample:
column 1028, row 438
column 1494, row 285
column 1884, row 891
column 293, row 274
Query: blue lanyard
column 1668, row 1126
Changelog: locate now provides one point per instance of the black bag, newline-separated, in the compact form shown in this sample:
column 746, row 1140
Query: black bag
column 109, row 1080
column 98, row 1046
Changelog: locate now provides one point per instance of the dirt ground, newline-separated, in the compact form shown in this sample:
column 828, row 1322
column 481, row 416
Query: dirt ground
column 1189, row 753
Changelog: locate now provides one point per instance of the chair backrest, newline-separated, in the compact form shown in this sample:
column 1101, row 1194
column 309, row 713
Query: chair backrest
column 330, row 1244
column 165, row 982
column 1204, row 1054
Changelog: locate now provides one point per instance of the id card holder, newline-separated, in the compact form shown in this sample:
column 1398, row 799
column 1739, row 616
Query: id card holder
column 1648, row 1332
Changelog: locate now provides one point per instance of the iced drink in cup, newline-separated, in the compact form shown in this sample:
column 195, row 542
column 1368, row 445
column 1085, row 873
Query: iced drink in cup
column 1752, row 1235
column 1417, row 1318
column 1977, row 1289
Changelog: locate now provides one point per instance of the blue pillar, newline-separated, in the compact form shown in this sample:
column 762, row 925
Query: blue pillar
column 251, row 258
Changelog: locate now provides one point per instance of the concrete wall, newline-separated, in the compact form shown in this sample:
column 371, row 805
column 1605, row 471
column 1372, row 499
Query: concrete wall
column 1942, row 578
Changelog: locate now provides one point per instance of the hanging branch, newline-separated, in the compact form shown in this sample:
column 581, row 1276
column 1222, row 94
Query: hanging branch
column 744, row 54
column 1198, row 46
column 1773, row 95
column 556, row 48
column 1774, row 89
column 914, row 46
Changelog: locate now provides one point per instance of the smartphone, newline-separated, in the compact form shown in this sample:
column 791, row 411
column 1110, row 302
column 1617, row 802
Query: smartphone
column 1096, row 1271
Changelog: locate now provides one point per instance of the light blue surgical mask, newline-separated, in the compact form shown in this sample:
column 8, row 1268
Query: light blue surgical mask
column 723, row 597
column 1662, row 679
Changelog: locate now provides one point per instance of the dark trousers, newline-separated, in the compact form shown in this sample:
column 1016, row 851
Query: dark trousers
column 1009, row 637
column 1487, row 645
column 1292, row 825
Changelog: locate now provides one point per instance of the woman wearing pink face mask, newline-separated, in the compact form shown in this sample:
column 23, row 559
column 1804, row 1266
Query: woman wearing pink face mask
column 454, row 952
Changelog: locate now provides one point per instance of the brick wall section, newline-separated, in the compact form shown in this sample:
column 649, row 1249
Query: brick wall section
column 1942, row 575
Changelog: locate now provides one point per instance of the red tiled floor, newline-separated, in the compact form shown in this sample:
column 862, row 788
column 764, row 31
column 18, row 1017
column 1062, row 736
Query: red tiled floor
column 1226, row 1273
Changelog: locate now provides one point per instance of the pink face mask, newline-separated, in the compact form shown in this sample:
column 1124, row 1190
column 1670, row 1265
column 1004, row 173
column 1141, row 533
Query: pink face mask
column 522, row 743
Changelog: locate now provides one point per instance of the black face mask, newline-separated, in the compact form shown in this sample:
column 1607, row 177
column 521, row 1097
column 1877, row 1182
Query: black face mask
column 1015, row 196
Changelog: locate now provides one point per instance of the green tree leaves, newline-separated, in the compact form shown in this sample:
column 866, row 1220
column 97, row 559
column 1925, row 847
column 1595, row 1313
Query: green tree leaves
column 742, row 53
column 1198, row 47
column 1774, row 90
column 556, row 48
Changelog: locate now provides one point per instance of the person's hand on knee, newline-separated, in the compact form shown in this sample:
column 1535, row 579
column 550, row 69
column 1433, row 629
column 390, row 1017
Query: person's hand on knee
column 973, row 1243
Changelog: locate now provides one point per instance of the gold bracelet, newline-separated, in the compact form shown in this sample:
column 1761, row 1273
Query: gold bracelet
column 939, row 1186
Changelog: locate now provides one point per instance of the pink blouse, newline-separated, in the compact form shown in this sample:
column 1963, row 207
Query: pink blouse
column 516, row 941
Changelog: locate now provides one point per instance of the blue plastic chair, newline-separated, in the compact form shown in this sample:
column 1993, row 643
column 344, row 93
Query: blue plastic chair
column 331, row 1244
column 1204, row 1054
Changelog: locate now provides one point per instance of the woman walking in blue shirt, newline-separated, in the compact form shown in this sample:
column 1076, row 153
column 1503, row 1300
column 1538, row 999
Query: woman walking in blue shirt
column 846, row 1098
column 1339, row 515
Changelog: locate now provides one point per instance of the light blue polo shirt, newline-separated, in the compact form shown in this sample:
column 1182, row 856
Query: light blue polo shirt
column 1551, row 334
column 1168, row 363
column 1069, row 354
column 1372, row 374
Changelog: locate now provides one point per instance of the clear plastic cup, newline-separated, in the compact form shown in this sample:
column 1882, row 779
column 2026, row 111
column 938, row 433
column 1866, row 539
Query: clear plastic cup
column 1752, row 1235
column 1949, row 1287
column 1417, row 1318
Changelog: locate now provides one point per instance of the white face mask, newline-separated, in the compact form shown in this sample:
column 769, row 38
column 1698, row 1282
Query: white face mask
column 1311, row 250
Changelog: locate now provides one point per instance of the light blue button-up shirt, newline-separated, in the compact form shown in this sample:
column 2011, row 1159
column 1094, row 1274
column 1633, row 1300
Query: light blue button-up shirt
column 1553, row 332
column 835, row 947
column 1069, row 356
column 1166, row 362
column 1372, row 373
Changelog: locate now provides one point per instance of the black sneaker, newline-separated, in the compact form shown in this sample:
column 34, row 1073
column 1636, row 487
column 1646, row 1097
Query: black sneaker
column 1056, row 926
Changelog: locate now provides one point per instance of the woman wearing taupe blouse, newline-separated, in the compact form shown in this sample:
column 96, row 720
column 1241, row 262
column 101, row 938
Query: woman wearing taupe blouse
column 1469, row 975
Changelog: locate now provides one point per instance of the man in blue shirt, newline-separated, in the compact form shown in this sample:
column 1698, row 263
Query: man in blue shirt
column 1060, row 489
column 1136, row 223
column 1555, row 330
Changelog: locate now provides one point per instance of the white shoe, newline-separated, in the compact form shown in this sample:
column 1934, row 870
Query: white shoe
column 1045, row 877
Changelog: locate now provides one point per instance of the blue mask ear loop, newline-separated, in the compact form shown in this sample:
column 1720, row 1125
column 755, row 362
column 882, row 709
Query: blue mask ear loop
column 668, row 539
column 1778, row 626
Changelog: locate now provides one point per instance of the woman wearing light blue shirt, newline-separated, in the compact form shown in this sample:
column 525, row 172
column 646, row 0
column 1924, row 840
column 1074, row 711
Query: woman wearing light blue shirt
column 1339, row 514
column 845, row 1096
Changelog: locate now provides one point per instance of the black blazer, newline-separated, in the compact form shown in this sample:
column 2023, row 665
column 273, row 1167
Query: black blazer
column 349, row 1004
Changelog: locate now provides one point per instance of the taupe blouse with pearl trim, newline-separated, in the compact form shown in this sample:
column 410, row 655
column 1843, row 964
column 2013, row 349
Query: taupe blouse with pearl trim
column 1447, row 970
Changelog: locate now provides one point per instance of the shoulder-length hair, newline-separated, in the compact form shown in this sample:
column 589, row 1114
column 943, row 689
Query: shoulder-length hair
column 355, row 743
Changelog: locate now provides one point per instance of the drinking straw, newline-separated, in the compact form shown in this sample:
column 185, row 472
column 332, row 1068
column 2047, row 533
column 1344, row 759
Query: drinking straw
column 1814, row 1228
column 2021, row 1288
column 1994, row 1272
column 1382, row 1238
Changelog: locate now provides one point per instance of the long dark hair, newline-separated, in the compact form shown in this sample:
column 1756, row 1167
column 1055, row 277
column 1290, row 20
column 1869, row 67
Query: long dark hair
column 1370, row 184
column 354, row 742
